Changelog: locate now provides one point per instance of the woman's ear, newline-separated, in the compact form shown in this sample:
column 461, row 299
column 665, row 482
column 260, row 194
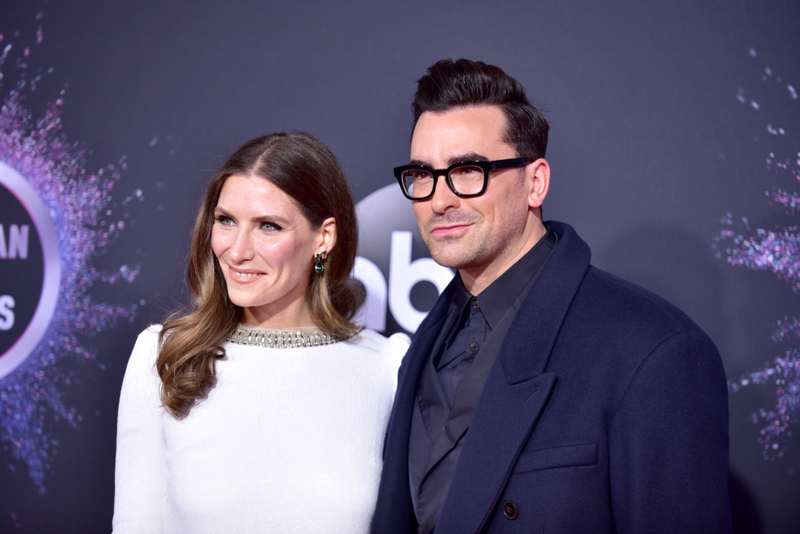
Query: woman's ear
column 327, row 235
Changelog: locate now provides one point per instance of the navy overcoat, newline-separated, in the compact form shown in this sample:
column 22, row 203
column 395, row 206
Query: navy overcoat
column 605, row 412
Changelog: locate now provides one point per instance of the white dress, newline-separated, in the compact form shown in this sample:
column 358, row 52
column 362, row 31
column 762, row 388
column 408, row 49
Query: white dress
column 288, row 441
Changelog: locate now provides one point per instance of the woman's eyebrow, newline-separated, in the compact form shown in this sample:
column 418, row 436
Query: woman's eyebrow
column 281, row 221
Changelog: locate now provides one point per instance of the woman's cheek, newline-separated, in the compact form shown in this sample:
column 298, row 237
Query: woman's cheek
column 276, row 251
column 218, row 242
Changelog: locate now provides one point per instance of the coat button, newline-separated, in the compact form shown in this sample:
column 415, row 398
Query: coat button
column 510, row 509
column 474, row 347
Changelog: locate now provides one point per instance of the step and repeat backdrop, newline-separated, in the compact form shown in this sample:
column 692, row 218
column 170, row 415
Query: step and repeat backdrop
column 675, row 151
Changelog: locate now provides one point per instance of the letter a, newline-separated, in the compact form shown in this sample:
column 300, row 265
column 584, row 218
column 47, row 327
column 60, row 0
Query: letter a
column 18, row 242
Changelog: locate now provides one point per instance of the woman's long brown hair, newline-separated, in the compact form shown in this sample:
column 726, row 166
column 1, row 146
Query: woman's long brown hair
column 191, row 339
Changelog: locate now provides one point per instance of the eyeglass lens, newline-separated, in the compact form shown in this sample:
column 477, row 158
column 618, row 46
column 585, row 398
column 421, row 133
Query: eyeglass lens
column 466, row 180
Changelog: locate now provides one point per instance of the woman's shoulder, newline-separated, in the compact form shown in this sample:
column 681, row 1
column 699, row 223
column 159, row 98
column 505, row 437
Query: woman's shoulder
column 149, row 335
column 146, row 347
column 152, row 331
column 140, row 372
column 396, row 343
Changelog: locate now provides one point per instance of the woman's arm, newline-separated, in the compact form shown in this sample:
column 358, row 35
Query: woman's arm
column 141, row 469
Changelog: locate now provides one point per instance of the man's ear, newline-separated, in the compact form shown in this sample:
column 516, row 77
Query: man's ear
column 539, row 176
column 327, row 235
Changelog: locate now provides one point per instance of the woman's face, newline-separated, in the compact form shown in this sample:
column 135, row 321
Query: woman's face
column 266, row 247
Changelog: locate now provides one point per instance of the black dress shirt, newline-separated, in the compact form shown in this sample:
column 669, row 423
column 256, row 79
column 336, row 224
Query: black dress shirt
column 453, row 377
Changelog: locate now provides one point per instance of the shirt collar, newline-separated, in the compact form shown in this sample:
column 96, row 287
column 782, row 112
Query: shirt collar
column 500, row 295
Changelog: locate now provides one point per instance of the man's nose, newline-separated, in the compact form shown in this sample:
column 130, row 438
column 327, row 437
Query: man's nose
column 443, row 198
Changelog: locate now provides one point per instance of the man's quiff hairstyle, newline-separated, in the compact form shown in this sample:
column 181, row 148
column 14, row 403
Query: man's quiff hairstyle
column 452, row 84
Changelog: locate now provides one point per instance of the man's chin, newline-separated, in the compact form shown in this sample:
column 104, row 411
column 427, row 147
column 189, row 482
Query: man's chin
column 447, row 259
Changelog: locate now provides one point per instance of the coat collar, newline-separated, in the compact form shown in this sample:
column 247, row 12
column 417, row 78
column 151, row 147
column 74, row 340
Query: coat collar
column 533, row 333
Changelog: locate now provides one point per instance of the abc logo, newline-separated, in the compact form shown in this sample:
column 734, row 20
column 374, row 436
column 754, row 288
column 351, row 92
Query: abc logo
column 395, row 266
column 30, row 269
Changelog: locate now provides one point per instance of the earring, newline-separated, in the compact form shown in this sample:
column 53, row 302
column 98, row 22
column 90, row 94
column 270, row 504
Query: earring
column 318, row 262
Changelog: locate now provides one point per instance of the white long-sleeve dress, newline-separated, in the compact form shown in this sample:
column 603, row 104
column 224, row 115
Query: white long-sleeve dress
column 289, row 441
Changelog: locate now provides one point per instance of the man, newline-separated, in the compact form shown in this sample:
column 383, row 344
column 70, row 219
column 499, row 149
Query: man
column 540, row 394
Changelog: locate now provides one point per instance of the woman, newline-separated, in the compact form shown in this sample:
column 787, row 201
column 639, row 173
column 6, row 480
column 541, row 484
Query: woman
column 261, row 407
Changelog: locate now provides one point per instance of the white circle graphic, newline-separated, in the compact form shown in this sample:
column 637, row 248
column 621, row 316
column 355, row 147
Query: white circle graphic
column 388, row 242
column 28, row 197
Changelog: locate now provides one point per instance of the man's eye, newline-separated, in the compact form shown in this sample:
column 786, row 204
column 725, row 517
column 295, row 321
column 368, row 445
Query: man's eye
column 465, row 171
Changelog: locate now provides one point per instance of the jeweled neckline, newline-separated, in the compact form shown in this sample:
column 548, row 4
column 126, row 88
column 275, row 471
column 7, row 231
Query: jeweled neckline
column 284, row 339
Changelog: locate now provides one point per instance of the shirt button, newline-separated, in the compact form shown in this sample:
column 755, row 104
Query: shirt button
column 476, row 305
column 510, row 509
column 474, row 347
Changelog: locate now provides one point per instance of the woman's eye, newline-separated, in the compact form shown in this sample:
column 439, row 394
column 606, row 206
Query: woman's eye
column 223, row 220
column 270, row 227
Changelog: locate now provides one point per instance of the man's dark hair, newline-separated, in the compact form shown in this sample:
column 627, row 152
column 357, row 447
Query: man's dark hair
column 452, row 84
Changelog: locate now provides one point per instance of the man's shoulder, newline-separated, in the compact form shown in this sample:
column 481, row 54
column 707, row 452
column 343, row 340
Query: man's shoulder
column 622, row 306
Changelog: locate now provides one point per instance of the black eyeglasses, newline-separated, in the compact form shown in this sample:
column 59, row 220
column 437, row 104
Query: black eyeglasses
column 467, row 179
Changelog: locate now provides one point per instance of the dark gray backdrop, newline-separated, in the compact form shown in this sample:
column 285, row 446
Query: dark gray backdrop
column 649, row 148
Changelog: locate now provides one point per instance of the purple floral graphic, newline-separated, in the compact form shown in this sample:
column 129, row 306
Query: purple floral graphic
column 775, row 250
column 87, row 220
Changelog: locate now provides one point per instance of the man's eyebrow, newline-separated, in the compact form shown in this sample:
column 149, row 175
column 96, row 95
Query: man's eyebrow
column 452, row 160
column 469, row 156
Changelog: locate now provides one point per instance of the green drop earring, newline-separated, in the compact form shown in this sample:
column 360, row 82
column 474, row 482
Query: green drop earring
column 318, row 262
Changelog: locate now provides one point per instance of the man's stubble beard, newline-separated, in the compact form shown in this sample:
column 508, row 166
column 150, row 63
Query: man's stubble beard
column 477, row 248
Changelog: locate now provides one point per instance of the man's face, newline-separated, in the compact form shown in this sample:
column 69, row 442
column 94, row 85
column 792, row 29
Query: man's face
column 481, row 236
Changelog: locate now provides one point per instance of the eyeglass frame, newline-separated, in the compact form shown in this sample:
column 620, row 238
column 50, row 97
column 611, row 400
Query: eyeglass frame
column 485, row 166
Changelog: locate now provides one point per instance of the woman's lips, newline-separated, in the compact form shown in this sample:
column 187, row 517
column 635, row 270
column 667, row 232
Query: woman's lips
column 243, row 276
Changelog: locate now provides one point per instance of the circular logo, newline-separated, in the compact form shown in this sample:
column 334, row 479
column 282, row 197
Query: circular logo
column 30, row 269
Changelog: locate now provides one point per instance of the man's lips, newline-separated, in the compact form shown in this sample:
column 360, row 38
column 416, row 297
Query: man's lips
column 450, row 223
column 447, row 229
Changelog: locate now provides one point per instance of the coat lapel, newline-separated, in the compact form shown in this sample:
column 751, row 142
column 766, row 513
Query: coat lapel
column 394, row 510
column 495, row 438
column 516, row 392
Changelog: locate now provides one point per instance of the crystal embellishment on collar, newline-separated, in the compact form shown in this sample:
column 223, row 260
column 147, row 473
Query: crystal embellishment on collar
column 284, row 339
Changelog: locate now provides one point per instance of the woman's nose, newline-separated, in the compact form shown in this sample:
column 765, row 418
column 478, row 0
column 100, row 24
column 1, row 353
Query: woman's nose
column 242, row 247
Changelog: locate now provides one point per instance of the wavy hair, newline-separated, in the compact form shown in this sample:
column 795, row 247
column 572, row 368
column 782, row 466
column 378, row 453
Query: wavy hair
column 191, row 339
